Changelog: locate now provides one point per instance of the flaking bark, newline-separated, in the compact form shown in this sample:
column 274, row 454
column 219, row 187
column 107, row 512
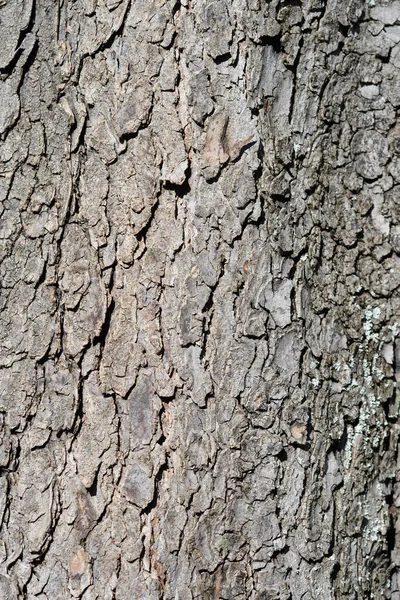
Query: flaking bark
column 199, row 245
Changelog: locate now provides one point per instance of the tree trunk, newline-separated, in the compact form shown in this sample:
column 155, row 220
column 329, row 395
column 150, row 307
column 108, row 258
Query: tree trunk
column 200, row 239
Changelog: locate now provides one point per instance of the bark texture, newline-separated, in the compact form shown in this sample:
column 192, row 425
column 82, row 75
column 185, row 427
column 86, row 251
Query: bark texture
column 199, row 246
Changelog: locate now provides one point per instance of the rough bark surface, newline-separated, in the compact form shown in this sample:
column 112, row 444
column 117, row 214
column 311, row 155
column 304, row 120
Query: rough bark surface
column 199, row 245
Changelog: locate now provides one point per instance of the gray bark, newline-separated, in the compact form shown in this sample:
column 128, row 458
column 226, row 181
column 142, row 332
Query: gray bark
column 199, row 246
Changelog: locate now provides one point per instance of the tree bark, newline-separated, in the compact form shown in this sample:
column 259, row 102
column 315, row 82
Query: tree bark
column 199, row 241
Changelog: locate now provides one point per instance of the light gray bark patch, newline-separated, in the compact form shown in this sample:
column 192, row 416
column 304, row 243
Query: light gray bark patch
column 371, row 151
column 138, row 487
column 8, row 589
column 199, row 98
column 135, row 110
column 144, row 406
column 386, row 13
column 216, row 19
column 276, row 298
column 168, row 129
column 14, row 20
column 9, row 106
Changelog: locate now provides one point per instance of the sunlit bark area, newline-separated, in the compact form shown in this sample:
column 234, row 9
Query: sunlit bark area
column 199, row 249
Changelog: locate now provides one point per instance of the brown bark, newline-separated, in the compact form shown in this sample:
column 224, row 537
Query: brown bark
column 199, row 242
